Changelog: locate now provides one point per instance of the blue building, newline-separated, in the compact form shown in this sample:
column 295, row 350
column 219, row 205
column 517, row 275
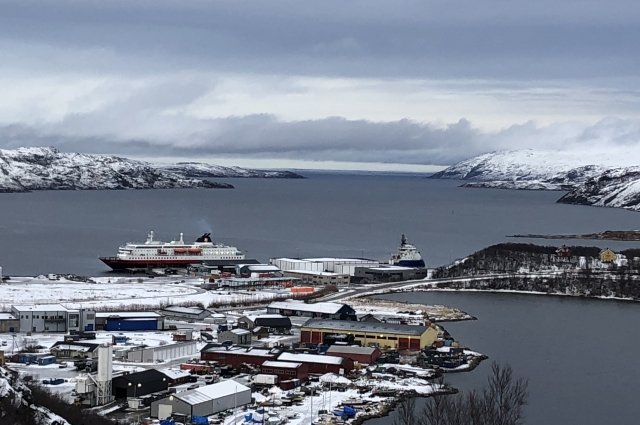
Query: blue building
column 123, row 321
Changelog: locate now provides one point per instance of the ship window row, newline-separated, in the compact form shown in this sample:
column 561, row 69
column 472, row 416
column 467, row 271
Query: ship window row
column 182, row 258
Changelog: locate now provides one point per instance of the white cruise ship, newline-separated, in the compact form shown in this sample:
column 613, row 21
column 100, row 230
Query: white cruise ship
column 154, row 253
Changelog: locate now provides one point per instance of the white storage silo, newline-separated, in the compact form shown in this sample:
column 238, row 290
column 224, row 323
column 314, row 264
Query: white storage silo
column 105, row 374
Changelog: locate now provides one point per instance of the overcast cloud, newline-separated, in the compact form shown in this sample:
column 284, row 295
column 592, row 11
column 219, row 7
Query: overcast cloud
column 416, row 82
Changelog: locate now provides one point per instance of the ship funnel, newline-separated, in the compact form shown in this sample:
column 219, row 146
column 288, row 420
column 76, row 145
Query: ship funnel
column 181, row 238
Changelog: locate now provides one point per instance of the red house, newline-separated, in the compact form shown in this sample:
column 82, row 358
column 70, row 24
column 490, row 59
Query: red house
column 236, row 356
column 319, row 364
column 364, row 355
column 286, row 370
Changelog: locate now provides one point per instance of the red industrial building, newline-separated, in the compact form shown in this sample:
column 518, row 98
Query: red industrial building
column 236, row 356
column 319, row 364
column 286, row 371
column 364, row 355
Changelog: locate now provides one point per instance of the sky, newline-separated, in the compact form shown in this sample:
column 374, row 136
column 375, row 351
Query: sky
column 403, row 85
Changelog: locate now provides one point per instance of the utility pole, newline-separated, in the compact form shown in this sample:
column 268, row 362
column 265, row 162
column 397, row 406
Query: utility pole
column 311, row 417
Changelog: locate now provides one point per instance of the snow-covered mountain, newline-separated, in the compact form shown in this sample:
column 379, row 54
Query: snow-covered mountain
column 27, row 169
column 618, row 187
column 199, row 169
column 590, row 180
column 524, row 169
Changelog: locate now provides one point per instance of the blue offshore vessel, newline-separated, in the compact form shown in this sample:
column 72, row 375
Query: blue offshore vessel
column 407, row 255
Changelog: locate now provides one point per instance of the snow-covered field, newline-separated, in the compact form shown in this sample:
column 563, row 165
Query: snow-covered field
column 110, row 292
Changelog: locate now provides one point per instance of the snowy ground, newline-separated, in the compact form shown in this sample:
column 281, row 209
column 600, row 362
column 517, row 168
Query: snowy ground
column 310, row 409
column 121, row 292
column 409, row 312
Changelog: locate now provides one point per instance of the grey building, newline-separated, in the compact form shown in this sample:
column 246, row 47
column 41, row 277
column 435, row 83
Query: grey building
column 185, row 313
column 203, row 401
column 73, row 349
column 236, row 336
column 272, row 322
column 9, row 323
column 388, row 274
column 323, row 310
column 162, row 353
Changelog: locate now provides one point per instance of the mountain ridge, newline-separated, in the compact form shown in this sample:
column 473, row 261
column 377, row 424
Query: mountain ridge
column 46, row 168
column 587, row 181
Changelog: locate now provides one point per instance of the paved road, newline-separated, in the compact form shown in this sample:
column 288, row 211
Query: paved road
column 358, row 291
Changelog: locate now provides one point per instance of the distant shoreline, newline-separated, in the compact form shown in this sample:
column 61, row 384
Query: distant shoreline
column 613, row 235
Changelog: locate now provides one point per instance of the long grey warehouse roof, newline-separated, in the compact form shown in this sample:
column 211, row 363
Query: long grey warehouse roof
column 351, row 349
column 211, row 392
column 321, row 307
column 348, row 325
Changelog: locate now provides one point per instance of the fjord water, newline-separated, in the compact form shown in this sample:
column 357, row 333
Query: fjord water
column 580, row 355
column 325, row 215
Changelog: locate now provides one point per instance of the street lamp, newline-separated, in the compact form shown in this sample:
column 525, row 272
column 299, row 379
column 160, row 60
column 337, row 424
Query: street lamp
column 135, row 388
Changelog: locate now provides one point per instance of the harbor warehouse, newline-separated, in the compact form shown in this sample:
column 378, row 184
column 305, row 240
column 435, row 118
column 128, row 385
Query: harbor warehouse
column 236, row 356
column 203, row 401
column 325, row 310
column 384, row 335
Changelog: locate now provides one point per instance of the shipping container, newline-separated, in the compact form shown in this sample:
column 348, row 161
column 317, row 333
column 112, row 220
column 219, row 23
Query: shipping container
column 264, row 379
column 43, row 361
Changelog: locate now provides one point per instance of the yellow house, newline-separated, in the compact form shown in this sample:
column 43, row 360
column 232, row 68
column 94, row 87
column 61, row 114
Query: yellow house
column 607, row 256
column 383, row 335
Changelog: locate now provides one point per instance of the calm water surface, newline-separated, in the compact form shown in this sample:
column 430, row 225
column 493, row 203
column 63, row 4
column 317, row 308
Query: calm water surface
column 325, row 215
column 580, row 356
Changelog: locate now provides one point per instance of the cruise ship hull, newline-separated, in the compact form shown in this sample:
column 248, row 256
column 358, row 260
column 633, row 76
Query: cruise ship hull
column 119, row 264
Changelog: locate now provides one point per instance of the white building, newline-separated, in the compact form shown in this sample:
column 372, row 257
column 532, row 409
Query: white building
column 325, row 264
column 53, row 318
column 162, row 353
column 319, row 278
column 203, row 401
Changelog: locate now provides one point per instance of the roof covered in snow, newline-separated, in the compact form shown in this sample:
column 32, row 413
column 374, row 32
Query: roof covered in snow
column 282, row 365
column 251, row 351
column 314, row 273
column 184, row 310
column 40, row 307
column 128, row 314
column 322, row 307
column 351, row 349
column 85, row 347
column 211, row 392
column 310, row 358
column 372, row 327
column 175, row 373
column 253, row 317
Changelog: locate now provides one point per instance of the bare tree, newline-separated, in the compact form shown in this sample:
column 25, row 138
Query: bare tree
column 406, row 412
column 501, row 402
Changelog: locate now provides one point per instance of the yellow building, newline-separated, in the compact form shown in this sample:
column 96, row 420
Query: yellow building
column 383, row 335
column 607, row 256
